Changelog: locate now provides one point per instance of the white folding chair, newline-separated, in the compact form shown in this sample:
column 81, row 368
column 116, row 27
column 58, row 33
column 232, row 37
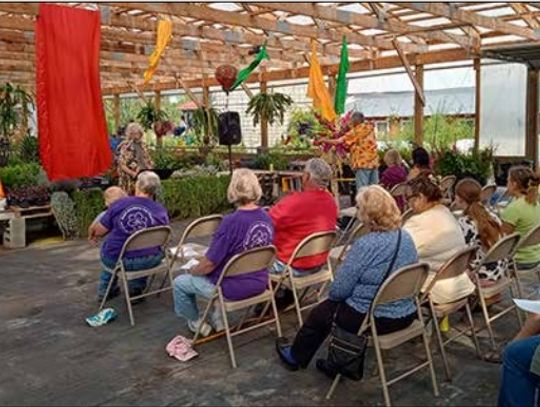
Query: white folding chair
column 504, row 249
column 409, row 213
column 401, row 191
column 347, row 213
column 243, row 263
column 314, row 244
column 403, row 283
column 530, row 239
column 458, row 265
column 157, row 236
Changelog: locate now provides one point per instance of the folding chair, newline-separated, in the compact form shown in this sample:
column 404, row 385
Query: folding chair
column 348, row 213
column 400, row 190
column 157, row 236
column 504, row 249
column 337, row 254
column 455, row 267
column 446, row 185
column 403, row 283
column 316, row 243
column 530, row 239
column 406, row 216
column 243, row 263
column 487, row 193
column 201, row 227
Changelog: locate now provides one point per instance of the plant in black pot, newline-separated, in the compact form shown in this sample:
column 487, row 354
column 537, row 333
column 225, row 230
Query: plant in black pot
column 151, row 117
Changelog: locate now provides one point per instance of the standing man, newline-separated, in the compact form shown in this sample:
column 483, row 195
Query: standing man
column 362, row 143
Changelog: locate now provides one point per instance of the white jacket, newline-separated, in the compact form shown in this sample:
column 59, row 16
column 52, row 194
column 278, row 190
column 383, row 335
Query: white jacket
column 437, row 236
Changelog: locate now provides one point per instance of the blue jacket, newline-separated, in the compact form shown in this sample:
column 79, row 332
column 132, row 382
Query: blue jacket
column 360, row 276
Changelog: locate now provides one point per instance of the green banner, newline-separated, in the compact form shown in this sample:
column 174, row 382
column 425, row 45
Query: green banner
column 244, row 73
column 341, row 85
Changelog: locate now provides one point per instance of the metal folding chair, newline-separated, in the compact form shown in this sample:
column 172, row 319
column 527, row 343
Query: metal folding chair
column 157, row 236
column 459, row 264
column 316, row 243
column 530, row 239
column 243, row 263
column 201, row 227
column 403, row 283
column 504, row 249
column 446, row 185
column 337, row 254
column 406, row 216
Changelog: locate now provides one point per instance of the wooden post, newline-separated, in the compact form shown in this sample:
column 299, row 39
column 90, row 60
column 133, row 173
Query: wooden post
column 159, row 140
column 205, row 93
column 116, row 111
column 332, row 87
column 477, row 111
column 531, row 141
column 264, row 123
column 419, row 106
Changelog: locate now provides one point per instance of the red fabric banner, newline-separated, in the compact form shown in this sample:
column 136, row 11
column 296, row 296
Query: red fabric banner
column 72, row 129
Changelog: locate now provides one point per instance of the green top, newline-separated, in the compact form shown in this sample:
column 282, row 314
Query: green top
column 523, row 216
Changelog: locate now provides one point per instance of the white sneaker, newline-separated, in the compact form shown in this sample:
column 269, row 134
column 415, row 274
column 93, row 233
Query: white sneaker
column 205, row 328
column 217, row 321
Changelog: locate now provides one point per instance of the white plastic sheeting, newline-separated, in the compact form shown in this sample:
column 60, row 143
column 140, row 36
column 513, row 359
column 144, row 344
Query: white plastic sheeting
column 503, row 108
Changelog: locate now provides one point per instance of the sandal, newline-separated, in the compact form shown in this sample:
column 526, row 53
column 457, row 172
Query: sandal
column 493, row 357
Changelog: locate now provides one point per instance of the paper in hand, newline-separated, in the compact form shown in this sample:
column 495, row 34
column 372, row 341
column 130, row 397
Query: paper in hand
column 190, row 264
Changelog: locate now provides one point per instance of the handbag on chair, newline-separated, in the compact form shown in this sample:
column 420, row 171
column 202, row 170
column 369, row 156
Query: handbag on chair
column 346, row 350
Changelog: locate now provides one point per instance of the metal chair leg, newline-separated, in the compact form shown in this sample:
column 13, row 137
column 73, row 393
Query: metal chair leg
column 276, row 316
column 201, row 321
column 333, row 386
column 297, row 305
column 382, row 375
column 128, row 299
column 108, row 290
column 227, row 330
column 485, row 313
column 441, row 342
column 473, row 330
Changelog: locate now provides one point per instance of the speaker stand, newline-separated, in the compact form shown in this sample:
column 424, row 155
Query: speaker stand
column 230, row 159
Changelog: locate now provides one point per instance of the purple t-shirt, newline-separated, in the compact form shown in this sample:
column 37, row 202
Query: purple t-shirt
column 127, row 216
column 238, row 232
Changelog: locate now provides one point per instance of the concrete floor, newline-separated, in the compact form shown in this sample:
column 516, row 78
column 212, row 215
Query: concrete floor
column 49, row 356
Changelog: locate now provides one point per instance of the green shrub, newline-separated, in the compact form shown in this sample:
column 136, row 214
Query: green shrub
column 477, row 165
column 279, row 161
column 194, row 196
column 20, row 175
column 88, row 204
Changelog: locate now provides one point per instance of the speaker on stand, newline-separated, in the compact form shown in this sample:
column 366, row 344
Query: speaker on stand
column 229, row 131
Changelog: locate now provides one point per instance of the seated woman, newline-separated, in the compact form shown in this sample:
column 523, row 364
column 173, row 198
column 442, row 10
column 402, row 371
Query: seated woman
column 421, row 163
column 437, row 237
column 523, row 212
column 394, row 174
column 123, row 218
column 481, row 228
column 357, row 281
column 248, row 227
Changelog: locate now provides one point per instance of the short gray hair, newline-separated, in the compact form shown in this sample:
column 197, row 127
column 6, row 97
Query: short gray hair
column 244, row 187
column 134, row 128
column 319, row 171
column 148, row 182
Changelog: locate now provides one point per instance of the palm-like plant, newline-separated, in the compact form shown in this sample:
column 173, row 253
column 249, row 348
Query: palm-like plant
column 15, row 105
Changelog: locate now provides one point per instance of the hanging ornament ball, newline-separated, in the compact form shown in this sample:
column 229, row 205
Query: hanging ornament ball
column 226, row 76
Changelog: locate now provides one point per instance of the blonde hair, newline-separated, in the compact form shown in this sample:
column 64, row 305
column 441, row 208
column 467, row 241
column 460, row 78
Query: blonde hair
column 134, row 128
column 113, row 194
column 244, row 187
column 377, row 209
column 392, row 157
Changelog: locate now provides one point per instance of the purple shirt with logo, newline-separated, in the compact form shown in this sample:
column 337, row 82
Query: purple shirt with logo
column 127, row 216
column 238, row 232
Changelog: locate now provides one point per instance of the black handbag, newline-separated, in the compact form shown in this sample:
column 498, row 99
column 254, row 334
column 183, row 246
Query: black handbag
column 346, row 351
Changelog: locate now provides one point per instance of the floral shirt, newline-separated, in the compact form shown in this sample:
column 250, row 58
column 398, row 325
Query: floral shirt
column 363, row 147
column 492, row 271
column 128, row 157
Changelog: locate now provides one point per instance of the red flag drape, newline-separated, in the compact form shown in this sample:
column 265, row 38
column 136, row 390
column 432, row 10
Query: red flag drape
column 72, row 129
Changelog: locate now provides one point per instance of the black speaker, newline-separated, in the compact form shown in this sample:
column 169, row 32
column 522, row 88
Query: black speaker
column 229, row 129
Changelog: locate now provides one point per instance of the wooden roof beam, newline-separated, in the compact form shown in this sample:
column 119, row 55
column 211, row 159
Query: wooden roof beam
column 245, row 20
column 523, row 12
column 455, row 14
column 349, row 18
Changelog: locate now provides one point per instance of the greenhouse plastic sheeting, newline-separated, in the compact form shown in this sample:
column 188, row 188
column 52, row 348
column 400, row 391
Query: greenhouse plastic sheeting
column 502, row 108
column 71, row 122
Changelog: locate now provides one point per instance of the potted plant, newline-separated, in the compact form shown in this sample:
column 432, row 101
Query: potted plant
column 15, row 105
column 151, row 117
column 268, row 106
column 205, row 126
